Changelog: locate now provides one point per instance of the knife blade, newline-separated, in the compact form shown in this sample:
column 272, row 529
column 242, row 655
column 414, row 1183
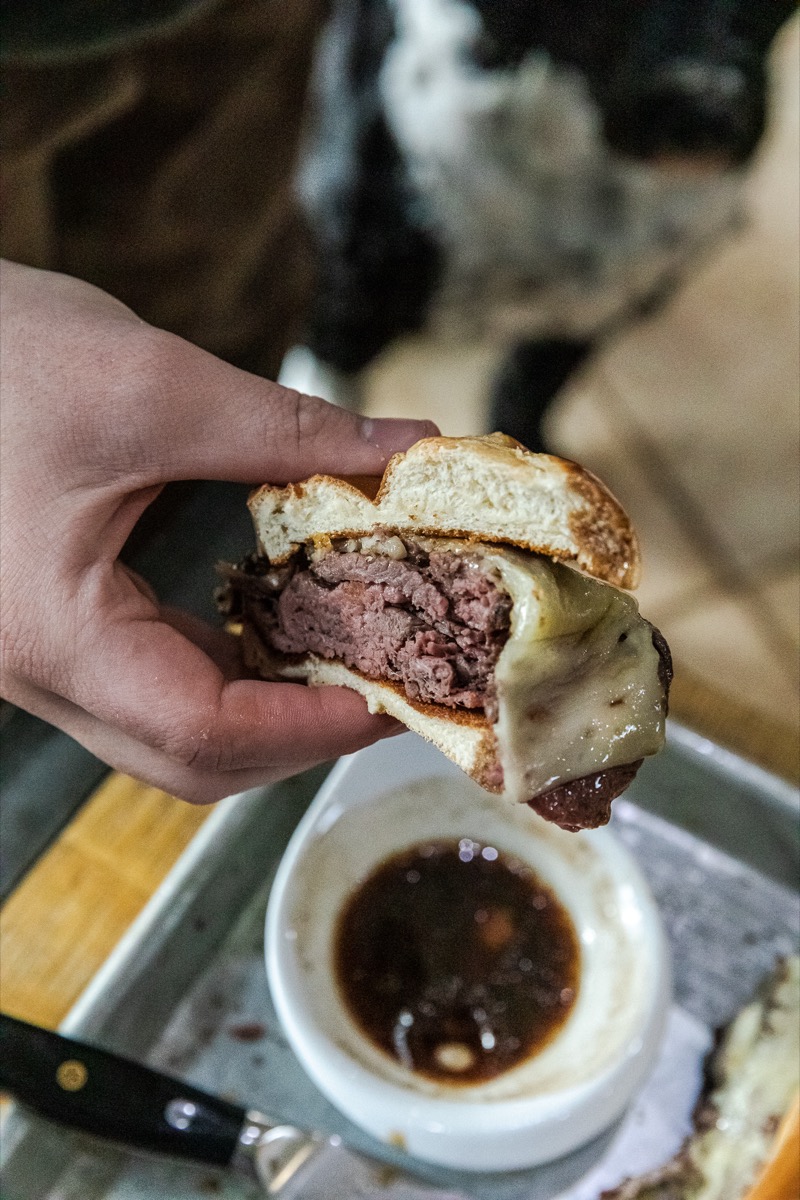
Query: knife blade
column 115, row 1098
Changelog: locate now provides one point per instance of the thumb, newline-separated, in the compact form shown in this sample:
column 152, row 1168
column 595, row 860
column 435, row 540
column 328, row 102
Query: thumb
column 218, row 422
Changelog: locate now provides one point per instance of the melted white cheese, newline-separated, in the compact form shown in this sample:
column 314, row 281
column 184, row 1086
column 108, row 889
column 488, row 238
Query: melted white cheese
column 577, row 681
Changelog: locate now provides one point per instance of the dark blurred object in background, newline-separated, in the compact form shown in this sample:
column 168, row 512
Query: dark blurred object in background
column 542, row 170
column 148, row 148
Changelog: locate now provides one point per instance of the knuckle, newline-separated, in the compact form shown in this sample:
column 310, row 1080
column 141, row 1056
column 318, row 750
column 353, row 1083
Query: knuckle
column 150, row 366
column 198, row 747
column 109, row 425
column 312, row 417
column 159, row 355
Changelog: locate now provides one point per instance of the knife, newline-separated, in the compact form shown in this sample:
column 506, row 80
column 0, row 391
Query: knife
column 111, row 1097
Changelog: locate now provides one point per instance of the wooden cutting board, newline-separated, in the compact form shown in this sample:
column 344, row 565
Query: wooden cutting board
column 71, row 909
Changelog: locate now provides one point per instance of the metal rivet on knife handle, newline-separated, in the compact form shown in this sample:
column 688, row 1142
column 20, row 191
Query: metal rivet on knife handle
column 71, row 1075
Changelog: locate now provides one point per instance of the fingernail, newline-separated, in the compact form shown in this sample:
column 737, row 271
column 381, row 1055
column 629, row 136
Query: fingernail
column 390, row 435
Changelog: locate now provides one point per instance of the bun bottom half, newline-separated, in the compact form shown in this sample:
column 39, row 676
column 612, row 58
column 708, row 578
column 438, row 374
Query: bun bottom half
column 464, row 736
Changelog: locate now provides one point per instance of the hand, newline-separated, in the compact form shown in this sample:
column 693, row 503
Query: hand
column 100, row 410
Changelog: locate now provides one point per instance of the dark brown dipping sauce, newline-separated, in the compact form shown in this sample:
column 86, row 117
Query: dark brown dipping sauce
column 457, row 960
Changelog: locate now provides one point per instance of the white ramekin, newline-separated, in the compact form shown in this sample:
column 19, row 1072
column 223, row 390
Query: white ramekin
column 386, row 799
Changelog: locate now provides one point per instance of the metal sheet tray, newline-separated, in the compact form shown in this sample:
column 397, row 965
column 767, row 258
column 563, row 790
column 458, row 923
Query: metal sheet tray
column 185, row 989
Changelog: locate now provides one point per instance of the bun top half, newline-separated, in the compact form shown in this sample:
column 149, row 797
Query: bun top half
column 486, row 488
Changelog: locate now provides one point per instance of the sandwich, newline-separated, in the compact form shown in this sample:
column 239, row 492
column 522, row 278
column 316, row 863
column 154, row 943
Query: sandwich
column 478, row 593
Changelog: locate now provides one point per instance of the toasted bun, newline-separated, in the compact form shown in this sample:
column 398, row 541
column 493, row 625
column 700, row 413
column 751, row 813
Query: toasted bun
column 489, row 487
column 465, row 737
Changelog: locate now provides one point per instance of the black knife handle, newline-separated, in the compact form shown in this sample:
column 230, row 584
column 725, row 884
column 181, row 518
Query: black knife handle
column 112, row 1097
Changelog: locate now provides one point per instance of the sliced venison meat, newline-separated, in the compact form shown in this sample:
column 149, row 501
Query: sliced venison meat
column 584, row 803
column 435, row 623
column 665, row 671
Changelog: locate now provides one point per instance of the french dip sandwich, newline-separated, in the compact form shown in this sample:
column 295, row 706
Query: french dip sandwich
column 475, row 594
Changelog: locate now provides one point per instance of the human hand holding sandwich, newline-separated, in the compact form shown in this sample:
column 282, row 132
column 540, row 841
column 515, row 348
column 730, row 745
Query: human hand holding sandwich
column 100, row 411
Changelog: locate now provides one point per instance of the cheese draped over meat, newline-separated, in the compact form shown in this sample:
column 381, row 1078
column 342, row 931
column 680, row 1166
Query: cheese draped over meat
column 578, row 681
